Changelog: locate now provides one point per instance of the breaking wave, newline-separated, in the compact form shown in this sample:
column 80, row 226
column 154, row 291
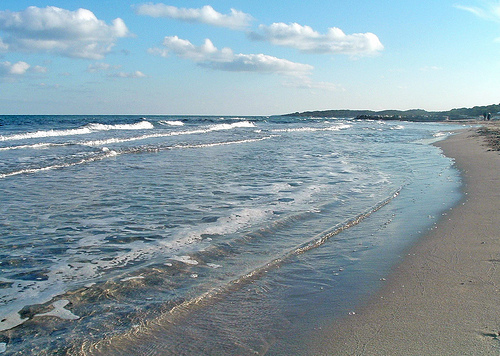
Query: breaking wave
column 107, row 153
column 87, row 129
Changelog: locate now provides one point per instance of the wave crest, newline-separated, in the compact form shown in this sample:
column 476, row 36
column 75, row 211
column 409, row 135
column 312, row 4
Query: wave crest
column 89, row 128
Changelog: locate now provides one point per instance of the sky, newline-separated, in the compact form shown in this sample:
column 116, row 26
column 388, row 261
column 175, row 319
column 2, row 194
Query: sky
column 246, row 57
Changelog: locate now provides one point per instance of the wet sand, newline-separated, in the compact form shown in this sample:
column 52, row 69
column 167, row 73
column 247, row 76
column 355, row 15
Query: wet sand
column 444, row 298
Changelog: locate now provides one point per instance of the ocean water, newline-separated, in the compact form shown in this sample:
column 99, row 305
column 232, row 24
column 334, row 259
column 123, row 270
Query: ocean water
column 204, row 235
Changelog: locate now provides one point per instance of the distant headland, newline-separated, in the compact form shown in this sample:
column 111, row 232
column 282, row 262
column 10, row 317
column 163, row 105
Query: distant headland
column 489, row 112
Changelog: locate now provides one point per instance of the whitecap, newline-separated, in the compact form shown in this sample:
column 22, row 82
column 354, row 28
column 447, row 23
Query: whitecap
column 239, row 124
column 143, row 125
column 339, row 127
column 220, row 127
column 171, row 123
column 89, row 128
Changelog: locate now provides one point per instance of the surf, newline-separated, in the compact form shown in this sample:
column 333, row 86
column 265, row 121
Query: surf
column 84, row 130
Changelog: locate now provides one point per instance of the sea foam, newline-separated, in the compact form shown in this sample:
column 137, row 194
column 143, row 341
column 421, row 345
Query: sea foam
column 219, row 127
column 60, row 312
column 171, row 123
column 84, row 130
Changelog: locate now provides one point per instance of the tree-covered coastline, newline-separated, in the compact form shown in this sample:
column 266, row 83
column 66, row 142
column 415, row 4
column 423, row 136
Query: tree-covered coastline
column 475, row 113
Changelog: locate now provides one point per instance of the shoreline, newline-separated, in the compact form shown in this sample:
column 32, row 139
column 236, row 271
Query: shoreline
column 444, row 297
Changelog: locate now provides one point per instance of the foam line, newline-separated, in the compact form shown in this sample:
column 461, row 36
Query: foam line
column 219, row 127
column 108, row 154
column 148, row 328
column 111, row 153
column 93, row 127
column 336, row 127
column 35, row 146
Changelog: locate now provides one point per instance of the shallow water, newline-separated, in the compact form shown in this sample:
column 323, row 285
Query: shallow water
column 215, row 235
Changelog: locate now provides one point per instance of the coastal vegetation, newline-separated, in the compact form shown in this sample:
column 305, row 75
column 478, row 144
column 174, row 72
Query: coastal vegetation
column 475, row 113
column 491, row 134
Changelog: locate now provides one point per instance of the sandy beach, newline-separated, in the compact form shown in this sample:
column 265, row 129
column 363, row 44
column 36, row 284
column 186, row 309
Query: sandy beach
column 444, row 298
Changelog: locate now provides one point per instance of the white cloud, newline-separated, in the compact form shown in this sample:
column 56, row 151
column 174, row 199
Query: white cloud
column 54, row 30
column 489, row 11
column 8, row 68
column 39, row 69
column 236, row 20
column 305, row 39
column 474, row 10
column 100, row 66
column 430, row 69
column 307, row 83
column 259, row 63
column 19, row 68
column 47, row 86
column 207, row 55
column 105, row 67
column 3, row 46
column 136, row 74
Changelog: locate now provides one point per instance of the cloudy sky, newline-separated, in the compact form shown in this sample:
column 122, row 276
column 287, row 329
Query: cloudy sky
column 246, row 57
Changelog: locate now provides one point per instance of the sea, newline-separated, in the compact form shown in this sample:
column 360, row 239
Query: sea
column 201, row 235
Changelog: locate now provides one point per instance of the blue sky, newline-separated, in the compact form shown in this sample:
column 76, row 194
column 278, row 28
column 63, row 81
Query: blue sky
column 246, row 57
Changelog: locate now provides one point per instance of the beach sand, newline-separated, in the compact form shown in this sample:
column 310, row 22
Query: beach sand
column 444, row 298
